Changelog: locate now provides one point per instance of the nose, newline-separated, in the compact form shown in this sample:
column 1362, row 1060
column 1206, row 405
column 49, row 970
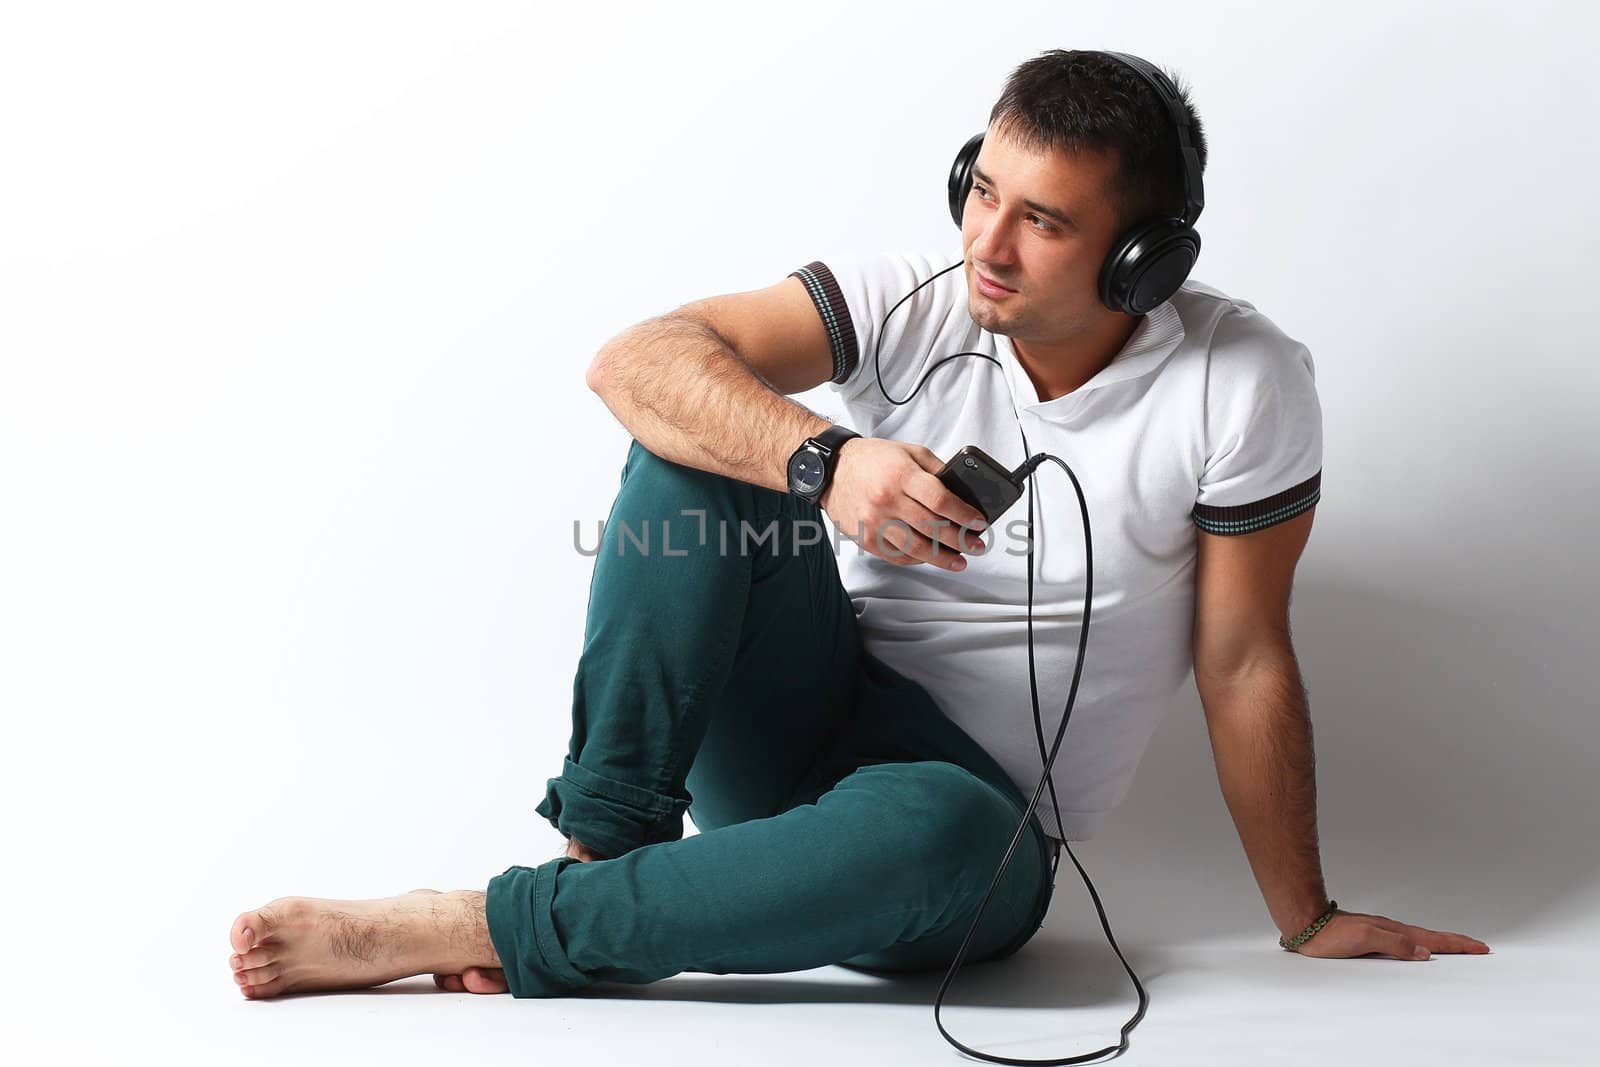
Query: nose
column 992, row 244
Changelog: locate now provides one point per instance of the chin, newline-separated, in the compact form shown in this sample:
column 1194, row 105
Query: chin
column 983, row 313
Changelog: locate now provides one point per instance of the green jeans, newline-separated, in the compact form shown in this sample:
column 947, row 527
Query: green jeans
column 843, row 817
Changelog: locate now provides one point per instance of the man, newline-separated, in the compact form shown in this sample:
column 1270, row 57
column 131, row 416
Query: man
column 857, row 763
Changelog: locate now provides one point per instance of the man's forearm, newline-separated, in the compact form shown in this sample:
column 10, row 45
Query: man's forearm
column 687, row 396
column 1260, row 730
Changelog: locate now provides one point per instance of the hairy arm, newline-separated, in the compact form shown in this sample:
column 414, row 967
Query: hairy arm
column 687, row 395
column 1256, row 710
column 1260, row 730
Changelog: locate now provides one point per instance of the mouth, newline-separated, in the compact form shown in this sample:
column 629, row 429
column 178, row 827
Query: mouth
column 988, row 286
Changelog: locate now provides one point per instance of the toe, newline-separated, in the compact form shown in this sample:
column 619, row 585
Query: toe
column 242, row 935
column 450, row 983
column 251, row 928
column 259, row 976
column 255, row 958
column 261, row 992
column 484, row 980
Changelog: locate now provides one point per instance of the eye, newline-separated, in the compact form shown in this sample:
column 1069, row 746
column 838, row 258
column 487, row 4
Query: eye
column 983, row 194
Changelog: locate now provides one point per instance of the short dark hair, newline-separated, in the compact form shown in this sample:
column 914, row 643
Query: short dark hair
column 1082, row 100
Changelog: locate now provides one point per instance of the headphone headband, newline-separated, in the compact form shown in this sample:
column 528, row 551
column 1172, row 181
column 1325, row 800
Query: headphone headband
column 1194, row 197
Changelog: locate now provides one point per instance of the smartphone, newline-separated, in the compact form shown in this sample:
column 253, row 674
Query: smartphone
column 976, row 477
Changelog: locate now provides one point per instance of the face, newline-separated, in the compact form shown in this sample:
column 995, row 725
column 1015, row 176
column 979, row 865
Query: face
column 1051, row 264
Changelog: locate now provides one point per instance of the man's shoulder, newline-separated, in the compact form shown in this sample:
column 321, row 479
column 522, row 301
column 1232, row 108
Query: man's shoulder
column 1200, row 304
column 1221, row 326
column 873, row 284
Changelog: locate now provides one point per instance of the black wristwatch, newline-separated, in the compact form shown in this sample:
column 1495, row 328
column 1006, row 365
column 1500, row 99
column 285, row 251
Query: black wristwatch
column 811, row 466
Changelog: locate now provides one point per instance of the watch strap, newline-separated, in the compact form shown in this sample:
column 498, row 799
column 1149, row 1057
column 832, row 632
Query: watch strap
column 833, row 437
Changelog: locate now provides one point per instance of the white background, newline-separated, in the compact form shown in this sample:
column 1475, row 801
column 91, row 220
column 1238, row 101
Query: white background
column 295, row 304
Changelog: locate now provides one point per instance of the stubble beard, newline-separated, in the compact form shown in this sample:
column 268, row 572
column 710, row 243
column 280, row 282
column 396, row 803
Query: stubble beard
column 988, row 318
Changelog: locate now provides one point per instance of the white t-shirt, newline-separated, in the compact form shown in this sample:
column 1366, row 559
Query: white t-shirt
column 1207, row 417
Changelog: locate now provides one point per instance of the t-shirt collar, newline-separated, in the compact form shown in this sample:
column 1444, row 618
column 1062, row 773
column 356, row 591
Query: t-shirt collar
column 1152, row 341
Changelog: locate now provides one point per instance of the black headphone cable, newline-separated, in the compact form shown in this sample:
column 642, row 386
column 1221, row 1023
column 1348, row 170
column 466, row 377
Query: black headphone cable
column 1024, row 473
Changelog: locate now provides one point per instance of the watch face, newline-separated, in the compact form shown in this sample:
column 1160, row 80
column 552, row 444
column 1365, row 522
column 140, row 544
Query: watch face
column 805, row 472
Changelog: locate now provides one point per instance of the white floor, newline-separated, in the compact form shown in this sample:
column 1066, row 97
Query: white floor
column 1223, row 1002
column 117, row 909
column 116, row 935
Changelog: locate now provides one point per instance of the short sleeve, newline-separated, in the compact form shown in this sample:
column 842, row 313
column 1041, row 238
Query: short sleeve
column 1263, row 428
column 854, row 293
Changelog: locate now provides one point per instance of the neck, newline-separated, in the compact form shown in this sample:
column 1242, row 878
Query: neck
column 1056, row 368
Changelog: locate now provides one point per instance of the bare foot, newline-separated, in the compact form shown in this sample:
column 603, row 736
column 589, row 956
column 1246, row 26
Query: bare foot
column 295, row 944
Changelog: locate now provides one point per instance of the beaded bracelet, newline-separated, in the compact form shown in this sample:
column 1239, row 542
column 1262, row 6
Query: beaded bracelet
column 1305, row 935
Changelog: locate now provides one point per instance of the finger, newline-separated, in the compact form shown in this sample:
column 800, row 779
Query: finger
column 941, row 532
column 948, row 531
column 1399, row 945
column 937, row 497
column 926, row 458
column 898, row 542
column 1445, row 940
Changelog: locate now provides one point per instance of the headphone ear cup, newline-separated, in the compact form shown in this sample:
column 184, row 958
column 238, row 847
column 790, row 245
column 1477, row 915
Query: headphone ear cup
column 960, row 183
column 1147, row 265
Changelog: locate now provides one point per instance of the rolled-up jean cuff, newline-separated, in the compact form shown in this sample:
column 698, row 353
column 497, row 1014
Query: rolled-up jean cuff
column 607, row 815
column 517, row 908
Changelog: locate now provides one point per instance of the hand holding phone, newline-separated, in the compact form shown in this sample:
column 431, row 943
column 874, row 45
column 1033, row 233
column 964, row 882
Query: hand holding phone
column 885, row 497
column 976, row 477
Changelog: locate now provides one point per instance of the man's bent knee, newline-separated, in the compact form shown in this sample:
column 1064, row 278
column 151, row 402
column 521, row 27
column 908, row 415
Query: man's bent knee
column 690, row 507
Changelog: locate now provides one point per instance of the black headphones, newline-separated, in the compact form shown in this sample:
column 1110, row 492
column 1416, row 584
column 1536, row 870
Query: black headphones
column 1149, row 262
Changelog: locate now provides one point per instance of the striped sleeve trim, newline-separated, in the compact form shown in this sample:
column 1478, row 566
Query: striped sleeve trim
column 826, row 294
column 1247, row 518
